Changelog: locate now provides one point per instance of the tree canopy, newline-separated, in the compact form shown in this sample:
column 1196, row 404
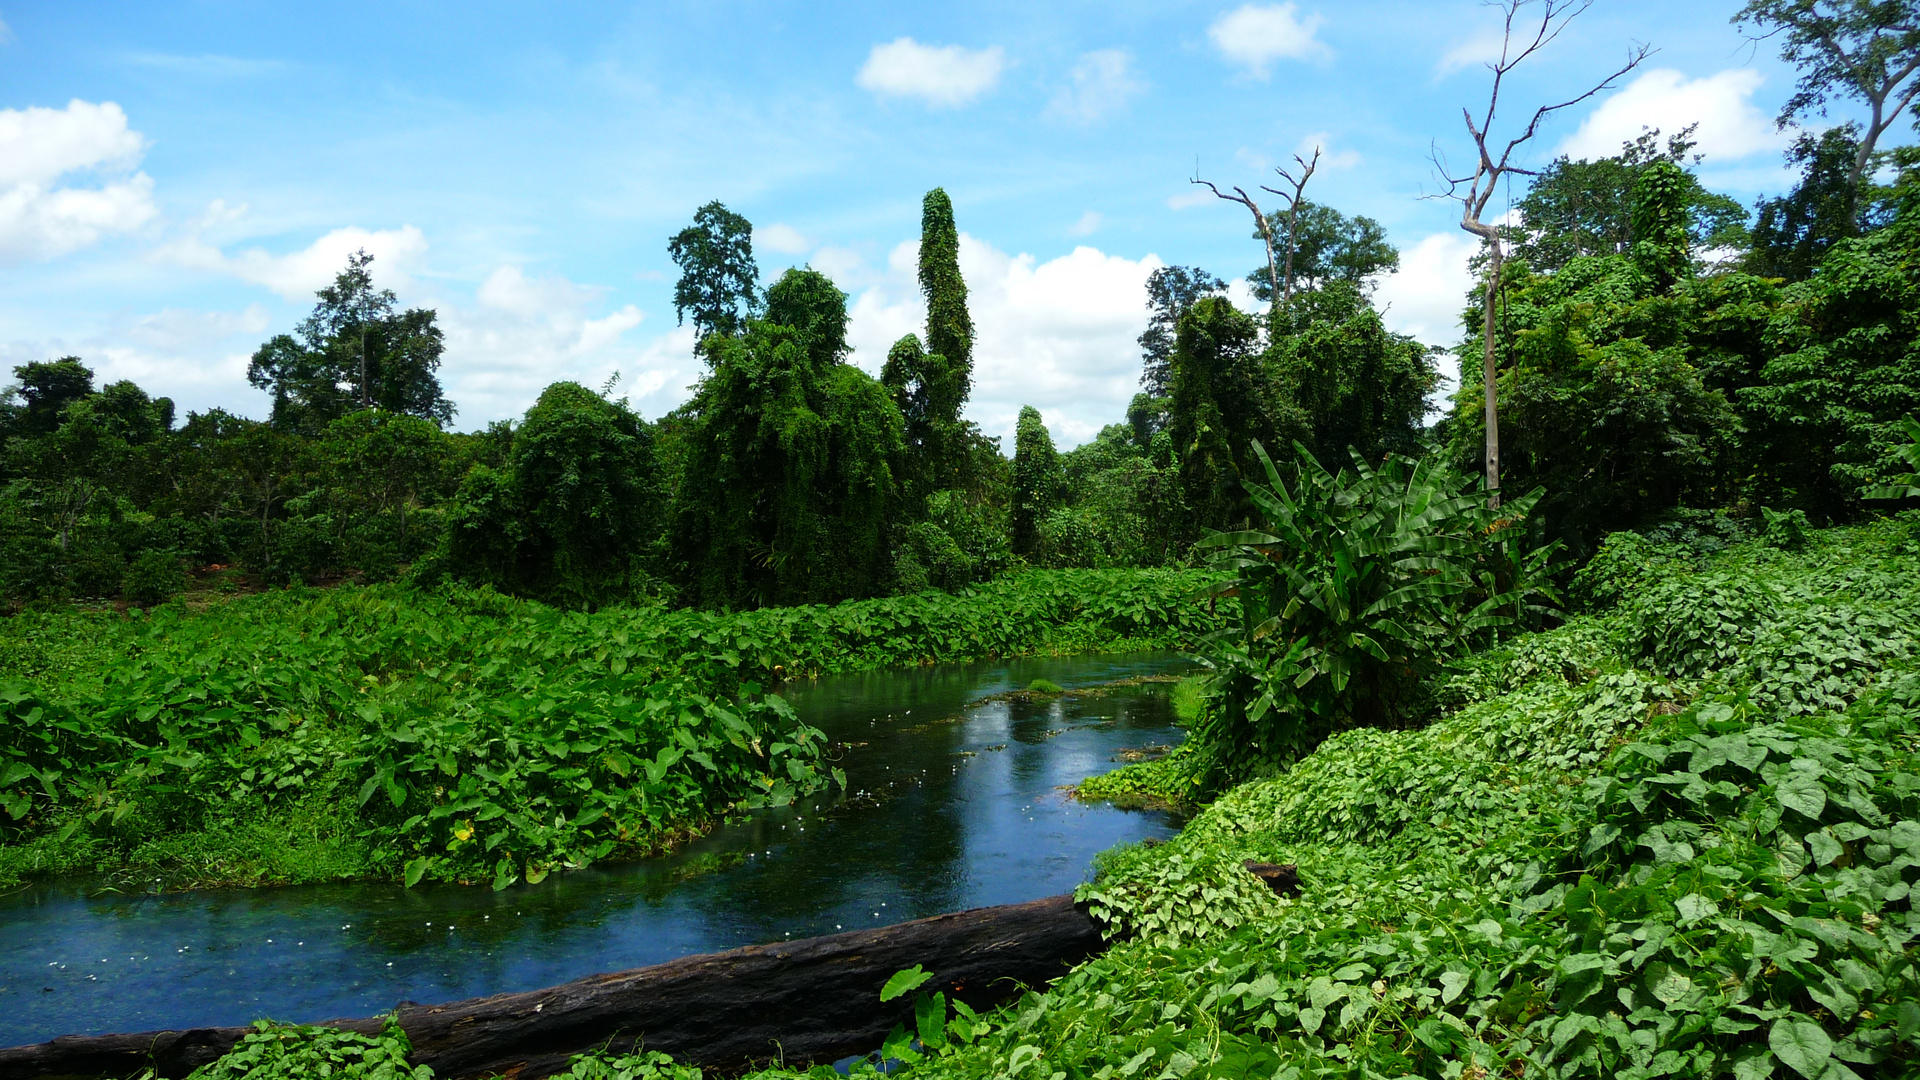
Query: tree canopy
column 355, row 351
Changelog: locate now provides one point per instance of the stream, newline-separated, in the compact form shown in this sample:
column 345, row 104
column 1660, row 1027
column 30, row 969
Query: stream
column 954, row 803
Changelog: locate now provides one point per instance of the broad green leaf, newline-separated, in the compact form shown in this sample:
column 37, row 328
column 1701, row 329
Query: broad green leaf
column 904, row 982
column 1801, row 1045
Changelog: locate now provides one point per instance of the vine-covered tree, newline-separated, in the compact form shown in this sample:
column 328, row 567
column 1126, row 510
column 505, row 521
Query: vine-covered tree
column 1222, row 401
column 571, row 517
column 719, row 283
column 1036, row 479
column 930, row 384
column 1574, row 208
column 789, row 458
column 355, row 351
column 1171, row 290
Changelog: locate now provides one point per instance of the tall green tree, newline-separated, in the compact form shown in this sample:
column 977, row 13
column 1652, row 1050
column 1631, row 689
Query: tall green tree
column 1573, row 208
column 1328, row 246
column 355, row 351
column 1792, row 233
column 1171, row 290
column 47, row 388
column 1866, row 50
column 930, row 383
column 1036, row 479
column 719, row 282
column 789, row 453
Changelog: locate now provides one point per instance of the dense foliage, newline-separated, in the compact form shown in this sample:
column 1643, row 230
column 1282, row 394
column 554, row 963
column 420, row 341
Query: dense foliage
column 460, row 734
column 1595, row 863
column 1354, row 588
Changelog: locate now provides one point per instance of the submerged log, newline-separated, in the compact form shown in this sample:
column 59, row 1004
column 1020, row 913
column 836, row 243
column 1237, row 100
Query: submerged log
column 812, row 1000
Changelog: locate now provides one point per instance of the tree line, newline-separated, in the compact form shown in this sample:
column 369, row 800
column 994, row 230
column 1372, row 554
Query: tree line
column 1658, row 352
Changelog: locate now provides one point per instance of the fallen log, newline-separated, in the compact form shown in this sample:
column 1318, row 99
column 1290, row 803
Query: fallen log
column 813, row 1000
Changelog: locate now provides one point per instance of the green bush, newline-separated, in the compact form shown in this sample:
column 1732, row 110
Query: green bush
column 154, row 576
column 271, row 1052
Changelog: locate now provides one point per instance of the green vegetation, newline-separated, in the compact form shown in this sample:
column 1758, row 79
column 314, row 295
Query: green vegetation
column 461, row 735
column 289, row 1052
column 1654, row 839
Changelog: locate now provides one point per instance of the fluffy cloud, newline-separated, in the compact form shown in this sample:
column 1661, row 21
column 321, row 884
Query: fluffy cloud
column 1254, row 36
column 297, row 275
column 1101, row 84
column 1731, row 127
column 39, row 148
column 947, row 75
column 784, row 239
column 521, row 333
column 1057, row 335
column 1425, row 296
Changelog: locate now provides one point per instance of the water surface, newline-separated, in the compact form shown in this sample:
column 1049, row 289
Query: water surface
column 951, row 807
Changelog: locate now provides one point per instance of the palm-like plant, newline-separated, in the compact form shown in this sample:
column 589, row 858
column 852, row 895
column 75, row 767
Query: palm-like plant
column 1355, row 588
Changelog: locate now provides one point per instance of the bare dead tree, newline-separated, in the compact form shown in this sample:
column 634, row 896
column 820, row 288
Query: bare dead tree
column 1474, row 191
column 1263, row 223
column 1293, row 199
column 1260, row 221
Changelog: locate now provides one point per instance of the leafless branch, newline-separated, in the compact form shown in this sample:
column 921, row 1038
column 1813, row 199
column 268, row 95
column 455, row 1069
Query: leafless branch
column 1293, row 200
column 1260, row 222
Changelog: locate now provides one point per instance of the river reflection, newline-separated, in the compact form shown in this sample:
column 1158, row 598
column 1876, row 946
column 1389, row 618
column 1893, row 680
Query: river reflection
column 951, row 807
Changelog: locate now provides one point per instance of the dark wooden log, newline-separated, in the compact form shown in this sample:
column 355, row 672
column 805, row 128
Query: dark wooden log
column 811, row 1000
column 1282, row 878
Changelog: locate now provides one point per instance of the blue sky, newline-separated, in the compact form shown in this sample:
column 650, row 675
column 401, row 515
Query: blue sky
column 177, row 178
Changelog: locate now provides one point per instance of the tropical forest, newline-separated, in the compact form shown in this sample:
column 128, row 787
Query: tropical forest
column 1538, row 696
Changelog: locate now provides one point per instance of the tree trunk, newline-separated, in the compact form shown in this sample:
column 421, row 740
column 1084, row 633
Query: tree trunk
column 815, row 1000
column 1490, row 373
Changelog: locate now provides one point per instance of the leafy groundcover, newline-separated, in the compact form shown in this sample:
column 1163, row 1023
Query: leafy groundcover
column 457, row 734
column 1674, row 837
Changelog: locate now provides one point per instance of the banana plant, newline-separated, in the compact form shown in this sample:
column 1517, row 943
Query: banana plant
column 1354, row 588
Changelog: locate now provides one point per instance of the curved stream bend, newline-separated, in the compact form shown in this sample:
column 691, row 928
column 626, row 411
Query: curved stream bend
column 952, row 808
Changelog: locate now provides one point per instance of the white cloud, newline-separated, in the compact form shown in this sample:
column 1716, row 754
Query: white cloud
column 299, row 274
column 1254, row 36
column 1057, row 335
column 519, row 334
column 6, row 32
column 197, row 358
column 38, row 148
column 1088, row 224
column 1425, row 296
column 1330, row 158
column 784, row 239
column 945, row 75
column 1482, row 48
column 1189, row 199
column 1102, row 83
column 1731, row 127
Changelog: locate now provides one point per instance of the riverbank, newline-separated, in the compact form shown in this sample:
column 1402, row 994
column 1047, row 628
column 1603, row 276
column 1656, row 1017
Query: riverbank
column 1675, row 836
column 458, row 735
